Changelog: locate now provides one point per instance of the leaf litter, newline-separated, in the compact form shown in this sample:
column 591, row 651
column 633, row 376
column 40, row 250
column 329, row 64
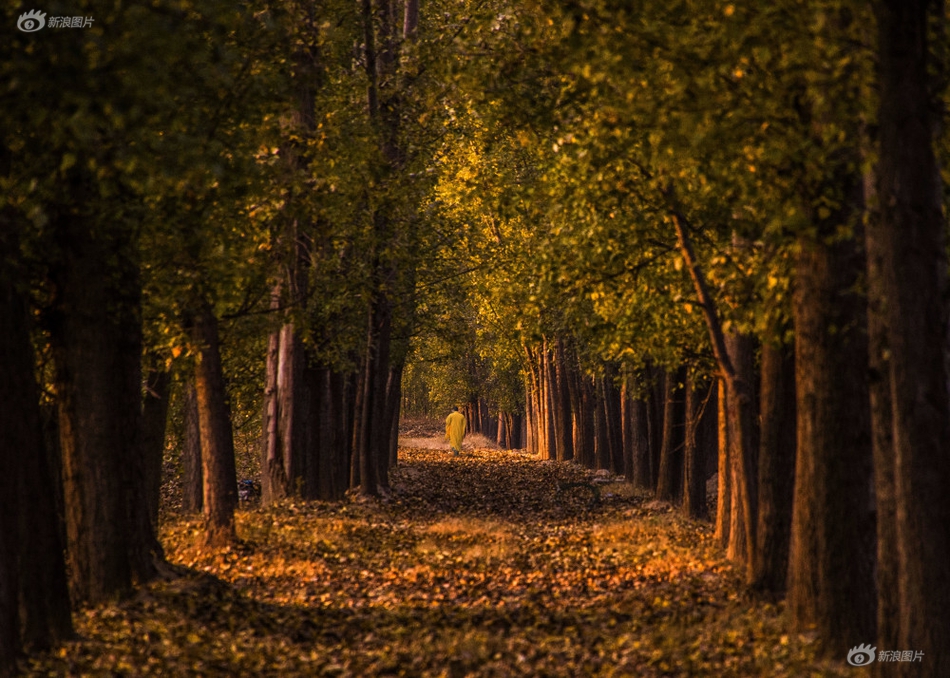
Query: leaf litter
column 488, row 564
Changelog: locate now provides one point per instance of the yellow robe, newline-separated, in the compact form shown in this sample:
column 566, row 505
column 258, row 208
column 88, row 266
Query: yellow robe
column 455, row 430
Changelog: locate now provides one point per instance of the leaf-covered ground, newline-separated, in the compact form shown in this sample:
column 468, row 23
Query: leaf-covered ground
column 477, row 565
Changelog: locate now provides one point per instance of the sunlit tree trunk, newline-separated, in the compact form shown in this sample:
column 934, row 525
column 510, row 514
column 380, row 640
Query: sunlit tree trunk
column 219, row 497
column 723, row 466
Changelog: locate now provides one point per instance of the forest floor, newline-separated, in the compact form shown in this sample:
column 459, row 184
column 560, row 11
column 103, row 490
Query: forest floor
column 476, row 565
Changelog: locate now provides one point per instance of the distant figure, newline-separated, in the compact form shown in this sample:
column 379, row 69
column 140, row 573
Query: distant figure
column 455, row 430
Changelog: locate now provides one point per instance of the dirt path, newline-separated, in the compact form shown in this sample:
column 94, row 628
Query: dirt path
column 477, row 565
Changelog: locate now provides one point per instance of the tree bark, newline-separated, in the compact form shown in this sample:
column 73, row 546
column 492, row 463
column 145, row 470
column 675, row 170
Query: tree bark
column 666, row 476
column 95, row 330
column 192, row 481
column 219, row 496
column 831, row 583
column 723, row 468
column 882, row 442
column 34, row 595
column 698, row 406
column 739, row 392
column 776, row 469
column 563, row 421
column 642, row 466
column 913, row 256
column 154, row 420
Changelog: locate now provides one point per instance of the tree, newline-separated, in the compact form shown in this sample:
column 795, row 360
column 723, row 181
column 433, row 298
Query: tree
column 908, row 246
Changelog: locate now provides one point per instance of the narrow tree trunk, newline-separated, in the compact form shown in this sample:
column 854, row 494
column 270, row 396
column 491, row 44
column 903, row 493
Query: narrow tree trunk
column 614, row 424
column 912, row 251
column 192, row 481
column 744, row 442
column 665, row 477
column 273, row 479
column 776, row 469
column 154, row 420
column 563, row 421
column 739, row 392
column 698, row 398
column 642, row 467
column 723, row 468
column 627, row 432
column 219, row 497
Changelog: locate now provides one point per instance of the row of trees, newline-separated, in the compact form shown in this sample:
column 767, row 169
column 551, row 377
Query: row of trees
column 645, row 238
column 746, row 194
column 213, row 212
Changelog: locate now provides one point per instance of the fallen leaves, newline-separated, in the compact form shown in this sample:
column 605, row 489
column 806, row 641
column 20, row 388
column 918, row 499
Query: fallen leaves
column 476, row 565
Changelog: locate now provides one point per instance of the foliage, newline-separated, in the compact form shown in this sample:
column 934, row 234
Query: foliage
column 477, row 565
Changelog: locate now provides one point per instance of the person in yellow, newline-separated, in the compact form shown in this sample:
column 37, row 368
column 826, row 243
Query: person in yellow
column 455, row 430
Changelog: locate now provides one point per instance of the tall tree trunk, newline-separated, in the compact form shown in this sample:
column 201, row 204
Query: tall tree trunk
column 273, row 478
column 831, row 562
column 614, row 423
column 627, row 432
column 665, row 478
column 219, row 497
column 154, row 420
column 723, row 468
column 740, row 405
column 642, row 466
column 564, row 430
column 912, row 253
column 776, row 469
column 95, row 328
column 192, row 481
column 32, row 566
column 698, row 409
column 882, row 442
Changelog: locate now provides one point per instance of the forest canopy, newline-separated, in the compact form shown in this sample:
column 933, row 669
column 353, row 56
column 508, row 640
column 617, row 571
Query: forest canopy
column 671, row 240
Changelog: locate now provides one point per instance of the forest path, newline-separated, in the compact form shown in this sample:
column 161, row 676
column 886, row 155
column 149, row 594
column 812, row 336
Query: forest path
column 477, row 565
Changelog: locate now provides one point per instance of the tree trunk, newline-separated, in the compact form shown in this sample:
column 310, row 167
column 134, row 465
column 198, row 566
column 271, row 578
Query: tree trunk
column 564, row 429
column 831, row 583
column 154, row 420
column 628, row 433
column 743, row 442
column 614, row 424
column 219, row 496
column 698, row 397
column 34, row 598
column 95, row 330
column 665, row 478
column 776, row 469
column 739, row 407
column 882, row 442
column 912, row 253
column 723, row 468
column 642, row 467
column 192, row 482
